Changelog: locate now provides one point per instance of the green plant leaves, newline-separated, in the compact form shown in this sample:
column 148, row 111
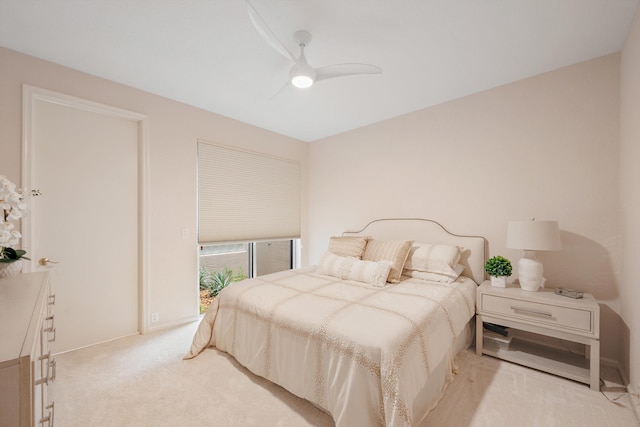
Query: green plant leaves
column 498, row 266
column 214, row 282
column 12, row 255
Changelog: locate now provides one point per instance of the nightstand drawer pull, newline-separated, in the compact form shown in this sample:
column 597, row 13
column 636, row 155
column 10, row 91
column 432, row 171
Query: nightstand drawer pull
column 529, row 311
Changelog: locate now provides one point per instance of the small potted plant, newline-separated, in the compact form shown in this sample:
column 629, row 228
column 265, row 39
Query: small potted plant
column 498, row 268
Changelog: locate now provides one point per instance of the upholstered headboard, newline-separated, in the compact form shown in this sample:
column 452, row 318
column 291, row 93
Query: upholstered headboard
column 428, row 231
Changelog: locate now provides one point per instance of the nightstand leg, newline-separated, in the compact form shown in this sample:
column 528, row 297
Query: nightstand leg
column 479, row 330
column 594, row 368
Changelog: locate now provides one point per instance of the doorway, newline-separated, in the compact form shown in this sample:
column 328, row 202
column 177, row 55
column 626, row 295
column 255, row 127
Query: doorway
column 86, row 160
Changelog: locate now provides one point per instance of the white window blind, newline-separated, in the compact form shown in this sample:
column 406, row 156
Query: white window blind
column 246, row 196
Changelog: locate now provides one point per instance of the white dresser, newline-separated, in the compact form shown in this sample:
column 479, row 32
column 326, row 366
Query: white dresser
column 26, row 365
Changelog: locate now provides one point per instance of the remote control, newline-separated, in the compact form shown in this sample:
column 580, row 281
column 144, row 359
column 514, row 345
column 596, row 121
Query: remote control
column 571, row 293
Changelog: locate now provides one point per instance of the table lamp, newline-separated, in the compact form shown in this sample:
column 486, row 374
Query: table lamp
column 532, row 236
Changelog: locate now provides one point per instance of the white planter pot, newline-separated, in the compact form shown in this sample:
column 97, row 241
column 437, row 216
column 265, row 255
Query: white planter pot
column 499, row 281
column 10, row 269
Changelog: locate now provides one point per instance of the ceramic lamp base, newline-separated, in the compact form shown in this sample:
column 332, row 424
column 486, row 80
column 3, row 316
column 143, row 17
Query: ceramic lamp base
column 530, row 273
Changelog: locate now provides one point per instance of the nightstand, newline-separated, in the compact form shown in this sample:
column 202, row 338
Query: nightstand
column 544, row 313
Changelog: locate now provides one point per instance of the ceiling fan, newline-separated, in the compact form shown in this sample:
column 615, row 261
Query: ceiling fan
column 302, row 75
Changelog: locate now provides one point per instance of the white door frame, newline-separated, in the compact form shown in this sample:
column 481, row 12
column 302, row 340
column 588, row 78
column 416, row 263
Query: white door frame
column 30, row 94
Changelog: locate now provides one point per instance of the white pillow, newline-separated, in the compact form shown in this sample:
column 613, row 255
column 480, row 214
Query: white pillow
column 351, row 268
column 348, row 245
column 435, row 277
column 439, row 259
column 394, row 251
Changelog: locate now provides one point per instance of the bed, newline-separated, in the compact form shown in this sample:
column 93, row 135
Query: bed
column 368, row 352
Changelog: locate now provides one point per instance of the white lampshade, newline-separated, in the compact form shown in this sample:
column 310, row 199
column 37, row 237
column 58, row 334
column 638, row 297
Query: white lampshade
column 534, row 235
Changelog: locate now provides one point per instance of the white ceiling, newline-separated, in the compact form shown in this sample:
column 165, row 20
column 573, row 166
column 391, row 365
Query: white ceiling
column 206, row 53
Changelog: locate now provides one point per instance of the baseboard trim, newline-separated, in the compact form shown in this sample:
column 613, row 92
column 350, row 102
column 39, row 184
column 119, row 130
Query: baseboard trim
column 160, row 327
column 97, row 343
column 178, row 322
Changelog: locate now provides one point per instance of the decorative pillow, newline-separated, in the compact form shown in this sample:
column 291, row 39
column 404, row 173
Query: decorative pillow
column 439, row 259
column 351, row 268
column 348, row 245
column 435, row 277
column 395, row 251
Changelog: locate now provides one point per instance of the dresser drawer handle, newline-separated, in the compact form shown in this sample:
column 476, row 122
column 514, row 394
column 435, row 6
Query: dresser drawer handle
column 45, row 375
column 52, row 331
column 50, row 374
column 531, row 312
column 49, row 418
column 49, row 323
column 53, row 365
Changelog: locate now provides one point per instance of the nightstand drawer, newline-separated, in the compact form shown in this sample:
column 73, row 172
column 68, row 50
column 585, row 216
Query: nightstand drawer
column 560, row 317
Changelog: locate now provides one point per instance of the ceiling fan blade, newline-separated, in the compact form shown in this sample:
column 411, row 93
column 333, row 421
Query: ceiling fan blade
column 278, row 92
column 266, row 33
column 341, row 70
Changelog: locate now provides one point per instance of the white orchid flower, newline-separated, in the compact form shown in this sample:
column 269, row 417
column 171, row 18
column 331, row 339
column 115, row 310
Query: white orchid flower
column 13, row 206
column 15, row 238
column 16, row 213
column 8, row 235
column 5, row 237
column 10, row 238
column 7, row 185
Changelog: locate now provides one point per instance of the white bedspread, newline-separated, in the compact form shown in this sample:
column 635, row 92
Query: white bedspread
column 361, row 353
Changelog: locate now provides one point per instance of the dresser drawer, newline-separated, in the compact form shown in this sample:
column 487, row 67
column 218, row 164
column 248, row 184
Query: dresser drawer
column 568, row 318
column 26, row 328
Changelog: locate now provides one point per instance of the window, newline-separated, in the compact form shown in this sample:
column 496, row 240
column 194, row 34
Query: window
column 251, row 259
column 215, row 258
column 248, row 215
column 223, row 264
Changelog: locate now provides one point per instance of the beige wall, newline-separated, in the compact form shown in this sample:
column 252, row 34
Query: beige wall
column 630, row 203
column 544, row 147
column 174, row 130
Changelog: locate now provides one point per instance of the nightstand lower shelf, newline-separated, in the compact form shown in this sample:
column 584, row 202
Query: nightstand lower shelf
column 554, row 361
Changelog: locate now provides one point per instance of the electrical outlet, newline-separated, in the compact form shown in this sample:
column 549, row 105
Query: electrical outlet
column 155, row 317
column 185, row 233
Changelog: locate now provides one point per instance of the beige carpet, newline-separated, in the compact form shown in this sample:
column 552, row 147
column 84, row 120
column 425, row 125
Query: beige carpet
column 143, row 381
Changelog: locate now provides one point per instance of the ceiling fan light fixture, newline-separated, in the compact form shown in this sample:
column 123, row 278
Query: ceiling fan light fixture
column 302, row 81
column 302, row 76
